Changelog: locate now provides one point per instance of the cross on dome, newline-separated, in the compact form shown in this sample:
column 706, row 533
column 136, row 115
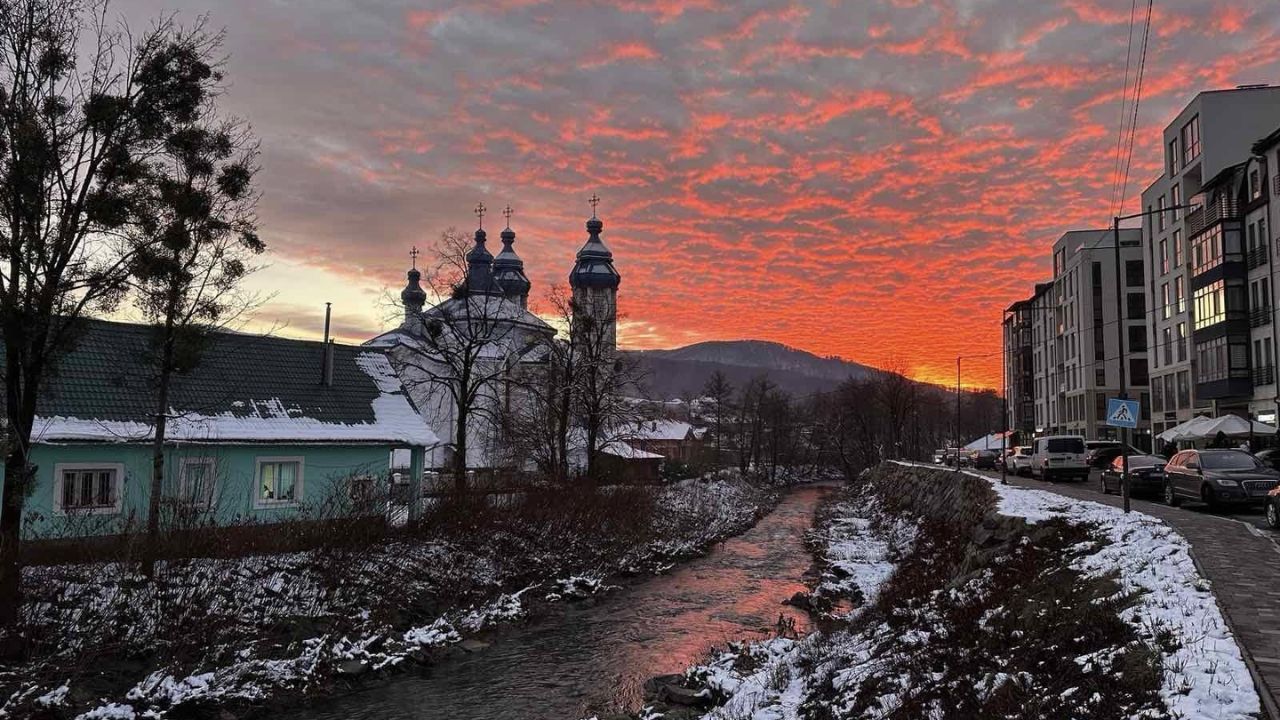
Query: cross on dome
column 480, row 211
column 594, row 200
column 507, row 212
column 413, row 256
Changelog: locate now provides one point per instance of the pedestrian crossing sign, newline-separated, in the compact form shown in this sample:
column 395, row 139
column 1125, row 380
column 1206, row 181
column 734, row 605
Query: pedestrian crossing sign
column 1122, row 413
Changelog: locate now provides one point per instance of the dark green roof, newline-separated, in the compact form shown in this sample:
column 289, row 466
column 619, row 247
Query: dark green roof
column 108, row 376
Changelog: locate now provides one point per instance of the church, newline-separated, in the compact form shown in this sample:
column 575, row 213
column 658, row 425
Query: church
column 481, row 337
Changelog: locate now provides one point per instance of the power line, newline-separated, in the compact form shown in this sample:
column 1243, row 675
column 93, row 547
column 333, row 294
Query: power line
column 1137, row 99
column 1124, row 101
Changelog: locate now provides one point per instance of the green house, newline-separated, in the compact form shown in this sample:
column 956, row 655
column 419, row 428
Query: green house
column 261, row 430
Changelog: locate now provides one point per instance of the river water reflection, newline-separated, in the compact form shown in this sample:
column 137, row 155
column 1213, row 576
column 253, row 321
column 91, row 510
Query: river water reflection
column 588, row 659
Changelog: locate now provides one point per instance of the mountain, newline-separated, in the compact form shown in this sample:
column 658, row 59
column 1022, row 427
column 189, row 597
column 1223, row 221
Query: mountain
column 682, row 372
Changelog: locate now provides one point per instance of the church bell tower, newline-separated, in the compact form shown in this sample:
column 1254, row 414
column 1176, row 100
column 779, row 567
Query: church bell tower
column 595, row 281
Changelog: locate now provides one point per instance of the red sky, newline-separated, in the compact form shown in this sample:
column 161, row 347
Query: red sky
column 875, row 180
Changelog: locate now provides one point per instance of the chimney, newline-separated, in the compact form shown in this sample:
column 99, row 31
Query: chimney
column 326, row 355
column 327, row 380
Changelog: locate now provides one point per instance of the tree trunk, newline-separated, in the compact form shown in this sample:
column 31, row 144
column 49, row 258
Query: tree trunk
column 460, row 449
column 18, row 478
column 152, row 549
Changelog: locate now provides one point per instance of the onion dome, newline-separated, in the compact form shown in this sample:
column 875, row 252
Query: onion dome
column 413, row 296
column 480, row 267
column 508, row 270
column 594, row 266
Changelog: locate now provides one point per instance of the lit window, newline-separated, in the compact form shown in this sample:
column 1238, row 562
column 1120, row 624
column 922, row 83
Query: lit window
column 279, row 481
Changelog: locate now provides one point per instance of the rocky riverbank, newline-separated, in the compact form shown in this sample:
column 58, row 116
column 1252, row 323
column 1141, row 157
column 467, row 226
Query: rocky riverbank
column 953, row 597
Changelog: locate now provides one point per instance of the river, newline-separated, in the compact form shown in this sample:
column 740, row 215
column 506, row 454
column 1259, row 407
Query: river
column 594, row 658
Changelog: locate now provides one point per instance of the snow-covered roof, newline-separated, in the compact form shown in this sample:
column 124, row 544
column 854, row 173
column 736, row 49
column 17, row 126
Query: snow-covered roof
column 245, row 389
column 990, row 442
column 662, row 430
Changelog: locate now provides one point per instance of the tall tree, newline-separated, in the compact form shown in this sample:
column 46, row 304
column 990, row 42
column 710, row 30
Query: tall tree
column 75, row 135
column 605, row 384
column 202, row 209
column 719, row 391
column 464, row 350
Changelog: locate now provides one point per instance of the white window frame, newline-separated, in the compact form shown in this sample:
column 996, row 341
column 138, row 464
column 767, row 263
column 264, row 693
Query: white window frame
column 211, row 476
column 259, row 503
column 59, row 469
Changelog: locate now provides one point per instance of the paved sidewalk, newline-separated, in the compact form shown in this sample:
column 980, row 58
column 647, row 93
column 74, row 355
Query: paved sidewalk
column 1241, row 561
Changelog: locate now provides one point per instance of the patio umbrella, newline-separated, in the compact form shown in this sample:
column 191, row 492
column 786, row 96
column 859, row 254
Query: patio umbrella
column 1184, row 431
column 1232, row 426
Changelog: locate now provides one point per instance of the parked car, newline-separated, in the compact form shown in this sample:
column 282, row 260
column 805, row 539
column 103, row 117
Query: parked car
column 1146, row 475
column 939, row 456
column 1092, row 447
column 1059, row 456
column 1269, row 457
column 1020, row 460
column 1273, row 509
column 1100, row 456
column 956, row 456
column 985, row 459
column 1218, row 477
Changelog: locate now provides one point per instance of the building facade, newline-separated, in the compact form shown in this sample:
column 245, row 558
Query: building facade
column 1092, row 321
column 1019, row 375
column 1203, row 365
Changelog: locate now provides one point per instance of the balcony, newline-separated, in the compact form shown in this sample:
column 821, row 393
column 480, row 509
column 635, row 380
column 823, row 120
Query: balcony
column 1259, row 317
column 1221, row 208
column 1256, row 257
column 1264, row 375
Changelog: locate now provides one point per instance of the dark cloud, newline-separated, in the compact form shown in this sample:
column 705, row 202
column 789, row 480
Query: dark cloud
column 866, row 179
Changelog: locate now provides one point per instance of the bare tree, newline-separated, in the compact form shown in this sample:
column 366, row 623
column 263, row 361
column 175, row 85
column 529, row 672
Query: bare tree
column 720, row 391
column 539, row 425
column 896, row 394
column 604, row 385
column 465, row 350
column 201, row 207
column 75, row 136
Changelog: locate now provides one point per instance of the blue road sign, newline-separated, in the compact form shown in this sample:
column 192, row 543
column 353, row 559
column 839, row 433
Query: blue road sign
column 1122, row 413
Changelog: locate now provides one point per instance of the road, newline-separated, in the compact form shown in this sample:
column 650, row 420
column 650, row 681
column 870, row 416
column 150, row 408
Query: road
column 1254, row 517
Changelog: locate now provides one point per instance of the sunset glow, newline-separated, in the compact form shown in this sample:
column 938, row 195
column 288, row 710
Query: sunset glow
column 840, row 177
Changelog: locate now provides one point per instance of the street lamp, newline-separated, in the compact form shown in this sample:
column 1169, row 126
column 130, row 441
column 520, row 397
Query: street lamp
column 1120, row 331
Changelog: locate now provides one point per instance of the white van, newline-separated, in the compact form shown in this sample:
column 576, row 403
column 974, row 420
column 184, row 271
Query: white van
column 1059, row 456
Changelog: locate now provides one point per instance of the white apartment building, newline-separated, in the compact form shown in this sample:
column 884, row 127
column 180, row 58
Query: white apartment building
column 1089, row 328
column 1202, row 361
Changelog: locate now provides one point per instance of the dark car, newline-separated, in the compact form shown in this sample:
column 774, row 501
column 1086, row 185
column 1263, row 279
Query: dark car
column 1273, row 509
column 1269, row 457
column 1102, row 457
column 1218, row 477
column 1146, row 475
column 985, row 459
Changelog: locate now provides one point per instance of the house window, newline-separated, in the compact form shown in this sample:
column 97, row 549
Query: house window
column 1165, row 304
column 1160, row 218
column 1164, row 257
column 1191, row 141
column 1137, row 306
column 87, row 488
column 1172, row 160
column 1182, row 342
column 1177, row 248
column 279, row 481
column 197, row 482
column 1180, row 294
column 1175, row 199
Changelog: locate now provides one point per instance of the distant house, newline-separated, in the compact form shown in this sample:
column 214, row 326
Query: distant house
column 673, row 439
column 262, row 430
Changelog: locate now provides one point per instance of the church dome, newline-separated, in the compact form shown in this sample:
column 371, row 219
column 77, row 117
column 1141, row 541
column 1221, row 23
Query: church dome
column 413, row 296
column 508, row 269
column 594, row 266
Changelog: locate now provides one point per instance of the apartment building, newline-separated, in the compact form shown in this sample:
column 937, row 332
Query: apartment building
column 1019, row 373
column 1090, row 325
column 1044, row 361
column 1201, row 332
column 1263, row 221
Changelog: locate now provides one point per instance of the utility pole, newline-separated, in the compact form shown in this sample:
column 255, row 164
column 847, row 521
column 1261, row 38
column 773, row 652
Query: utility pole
column 1124, row 393
column 1004, row 399
column 957, row 414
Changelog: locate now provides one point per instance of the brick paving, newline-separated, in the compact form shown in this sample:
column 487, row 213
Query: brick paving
column 1242, row 562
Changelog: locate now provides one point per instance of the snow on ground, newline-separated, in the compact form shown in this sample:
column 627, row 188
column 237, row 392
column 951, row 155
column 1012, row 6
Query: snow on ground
column 240, row 597
column 1205, row 676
